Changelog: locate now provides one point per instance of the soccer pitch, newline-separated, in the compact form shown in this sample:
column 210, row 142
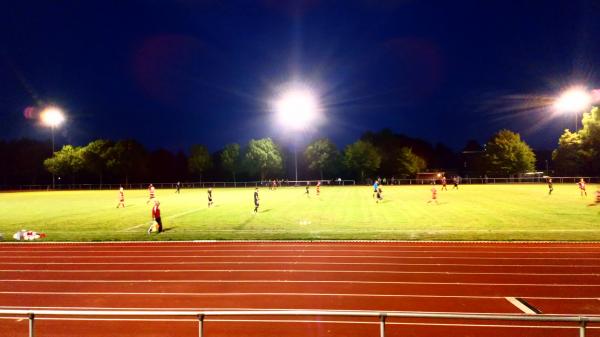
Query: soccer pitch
column 474, row 212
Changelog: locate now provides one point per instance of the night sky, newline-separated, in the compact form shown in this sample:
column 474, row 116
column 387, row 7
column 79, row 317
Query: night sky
column 172, row 73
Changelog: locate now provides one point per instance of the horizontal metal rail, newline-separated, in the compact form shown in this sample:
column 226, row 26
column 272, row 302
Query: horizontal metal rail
column 202, row 315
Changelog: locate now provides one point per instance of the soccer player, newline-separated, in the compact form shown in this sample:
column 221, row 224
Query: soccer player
column 597, row 197
column 433, row 195
column 379, row 197
column 582, row 190
column 307, row 189
column 156, row 217
column 256, row 200
column 121, row 198
column 151, row 192
column 375, row 187
column 444, row 188
column 319, row 187
column 178, row 187
column 455, row 181
column 210, row 201
column 550, row 186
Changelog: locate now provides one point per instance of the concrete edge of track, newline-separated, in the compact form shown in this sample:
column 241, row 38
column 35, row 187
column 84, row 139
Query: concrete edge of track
column 297, row 241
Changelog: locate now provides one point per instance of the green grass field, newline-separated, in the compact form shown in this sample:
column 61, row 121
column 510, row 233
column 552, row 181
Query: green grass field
column 475, row 212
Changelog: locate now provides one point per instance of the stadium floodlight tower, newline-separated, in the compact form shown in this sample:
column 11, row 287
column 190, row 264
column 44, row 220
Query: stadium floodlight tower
column 574, row 100
column 296, row 108
column 53, row 117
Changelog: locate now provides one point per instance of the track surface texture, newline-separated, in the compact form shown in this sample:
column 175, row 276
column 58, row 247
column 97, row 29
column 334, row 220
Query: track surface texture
column 456, row 277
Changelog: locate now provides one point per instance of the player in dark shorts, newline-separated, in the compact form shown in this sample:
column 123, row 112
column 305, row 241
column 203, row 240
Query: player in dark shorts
column 156, row 217
column 307, row 189
column 550, row 186
column 210, row 201
column 455, row 181
column 178, row 187
column 379, row 197
column 121, row 198
column 256, row 200
column 444, row 188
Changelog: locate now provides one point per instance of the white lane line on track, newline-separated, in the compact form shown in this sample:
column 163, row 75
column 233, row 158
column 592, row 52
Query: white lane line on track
column 267, row 294
column 525, row 309
column 301, row 321
column 236, row 262
column 471, row 257
column 296, row 250
column 230, row 271
column 310, row 281
column 158, row 263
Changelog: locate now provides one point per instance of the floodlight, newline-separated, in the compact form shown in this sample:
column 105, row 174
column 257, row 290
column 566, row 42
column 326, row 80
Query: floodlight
column 52, row 116
column 573, row 100
column 296, row 108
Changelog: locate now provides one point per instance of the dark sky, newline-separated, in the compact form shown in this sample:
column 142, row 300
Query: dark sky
column 172, row 73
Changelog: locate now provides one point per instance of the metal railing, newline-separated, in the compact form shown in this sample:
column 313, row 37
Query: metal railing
column 172, row 185
column 582, row 321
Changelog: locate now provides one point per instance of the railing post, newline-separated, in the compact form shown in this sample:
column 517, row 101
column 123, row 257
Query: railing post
column 201, row 325
column 382, row 325
column 31, row 326
column 582, row 326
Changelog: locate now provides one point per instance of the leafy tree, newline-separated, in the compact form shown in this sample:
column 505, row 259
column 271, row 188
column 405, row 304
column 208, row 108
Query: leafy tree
column 407, row 163
column 567, row 157
column 362, row 157
column 322, row 154
column 95, row 157
column 579, row 152
column 507, row 154
column 127, row 158
column 199, row 160
column 230, row 158
column 263, row 156
column 66, row 161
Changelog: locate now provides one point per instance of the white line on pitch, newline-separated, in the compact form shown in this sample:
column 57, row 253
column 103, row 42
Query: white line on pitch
column 291, row 250
column 162, row 271
column 303, row 281
column 266, row 294
column 520, row 305
column 166, row 218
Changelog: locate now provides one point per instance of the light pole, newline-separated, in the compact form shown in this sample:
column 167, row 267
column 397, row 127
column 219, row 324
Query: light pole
column 52, row 116
column 295, row 109
column 574, row 100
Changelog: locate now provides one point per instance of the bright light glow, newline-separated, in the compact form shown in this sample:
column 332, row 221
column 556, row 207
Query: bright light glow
column 52, row 116
column 296, row 108
column 573, row 100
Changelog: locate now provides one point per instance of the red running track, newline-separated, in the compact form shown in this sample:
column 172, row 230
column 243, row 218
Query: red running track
column 553, row 278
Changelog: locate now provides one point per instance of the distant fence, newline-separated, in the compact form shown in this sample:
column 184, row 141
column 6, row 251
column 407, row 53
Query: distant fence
column 329, row 182
column 206, row 184
column 579, row 324
column 484, row 180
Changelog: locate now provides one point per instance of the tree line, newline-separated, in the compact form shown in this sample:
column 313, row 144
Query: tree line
column 383, row 153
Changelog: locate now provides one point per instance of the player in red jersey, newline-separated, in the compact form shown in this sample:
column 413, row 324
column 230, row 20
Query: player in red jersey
column 151, row 192
column 581, row 185
column 156, row 218
column 319, row 187
column 433, row 196
column 121, row 198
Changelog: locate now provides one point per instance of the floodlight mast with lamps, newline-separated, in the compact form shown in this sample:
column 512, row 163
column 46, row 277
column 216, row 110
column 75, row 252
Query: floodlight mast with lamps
column 52, row 116
column 574, row 100
column 296, row 109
